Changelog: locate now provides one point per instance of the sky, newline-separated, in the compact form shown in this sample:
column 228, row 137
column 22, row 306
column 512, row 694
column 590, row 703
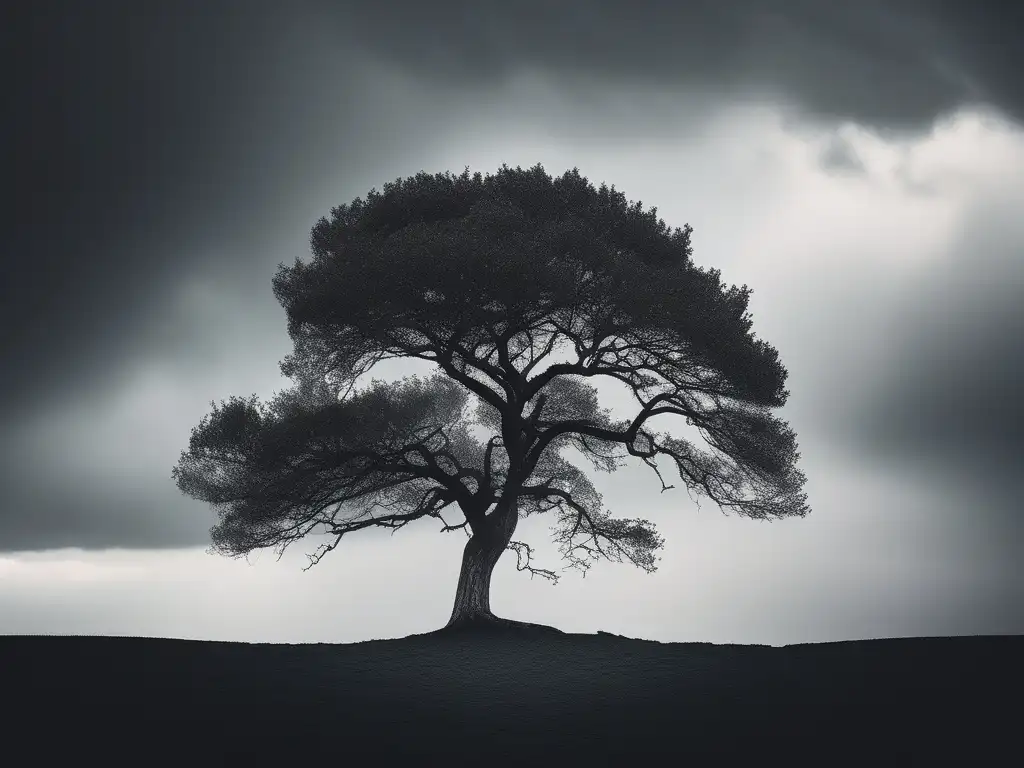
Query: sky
column 857, row 165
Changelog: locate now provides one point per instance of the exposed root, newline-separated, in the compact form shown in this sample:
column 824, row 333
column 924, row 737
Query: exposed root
column 489, row 623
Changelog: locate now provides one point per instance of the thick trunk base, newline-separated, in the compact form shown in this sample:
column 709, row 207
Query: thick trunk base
column 491, row 623
column 472, row 609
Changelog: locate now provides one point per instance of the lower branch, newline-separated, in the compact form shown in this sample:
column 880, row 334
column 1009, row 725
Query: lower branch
column 522, row 549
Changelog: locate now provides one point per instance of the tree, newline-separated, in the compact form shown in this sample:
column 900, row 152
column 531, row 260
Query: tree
column 520, row 289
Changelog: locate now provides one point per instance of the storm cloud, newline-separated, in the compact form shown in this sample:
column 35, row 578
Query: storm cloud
column 145, row 137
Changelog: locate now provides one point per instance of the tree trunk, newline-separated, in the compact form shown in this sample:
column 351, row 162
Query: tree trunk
column 473, row 595
column 472, row 608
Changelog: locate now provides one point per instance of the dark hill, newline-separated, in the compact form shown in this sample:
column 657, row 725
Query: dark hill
column 511, row 697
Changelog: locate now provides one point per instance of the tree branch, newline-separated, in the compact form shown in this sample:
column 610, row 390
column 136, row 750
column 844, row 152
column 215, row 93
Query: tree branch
column 638, row 533
column 523, row 550
column 430, row 505
column 548, row 348
column 444, row 356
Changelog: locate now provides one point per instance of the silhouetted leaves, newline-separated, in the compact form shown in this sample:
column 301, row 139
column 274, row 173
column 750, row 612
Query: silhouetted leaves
column 519, row 288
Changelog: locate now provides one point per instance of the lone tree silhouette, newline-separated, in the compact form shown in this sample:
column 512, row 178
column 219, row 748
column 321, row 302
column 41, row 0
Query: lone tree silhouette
column 519, row 288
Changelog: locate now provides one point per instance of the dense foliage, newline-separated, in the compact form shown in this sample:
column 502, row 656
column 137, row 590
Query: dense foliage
column 520, row 289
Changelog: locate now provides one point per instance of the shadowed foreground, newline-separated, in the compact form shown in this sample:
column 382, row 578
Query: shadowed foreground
column 539, row 697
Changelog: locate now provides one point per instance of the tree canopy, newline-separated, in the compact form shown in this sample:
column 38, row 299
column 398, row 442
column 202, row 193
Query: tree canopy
column 495, row 281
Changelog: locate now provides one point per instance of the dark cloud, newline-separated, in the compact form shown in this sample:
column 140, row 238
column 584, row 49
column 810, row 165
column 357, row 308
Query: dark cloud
column 149, row 142
column 143, row 136
column 91, row 469
column 947, row 400
column 891, row 64
column 73, row 508
column 839, row 156
column 130, row 128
